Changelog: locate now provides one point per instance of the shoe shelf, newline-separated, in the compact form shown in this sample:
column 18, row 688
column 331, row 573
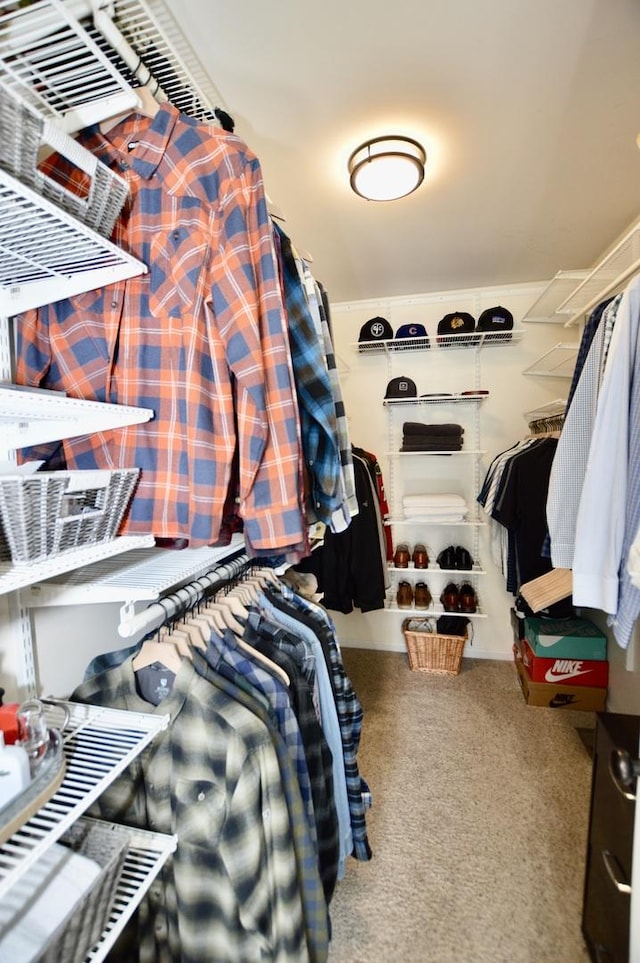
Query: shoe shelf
column 434, row 611
column 98, row 745
column 436, row 570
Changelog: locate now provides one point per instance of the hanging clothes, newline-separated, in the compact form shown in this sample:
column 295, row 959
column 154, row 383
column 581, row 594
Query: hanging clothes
column 200, row 340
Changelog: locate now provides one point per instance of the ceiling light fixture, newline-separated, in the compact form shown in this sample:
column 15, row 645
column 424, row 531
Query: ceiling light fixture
column 386, row 168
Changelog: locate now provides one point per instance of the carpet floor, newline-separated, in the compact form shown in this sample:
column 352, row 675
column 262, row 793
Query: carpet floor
column 478, row 825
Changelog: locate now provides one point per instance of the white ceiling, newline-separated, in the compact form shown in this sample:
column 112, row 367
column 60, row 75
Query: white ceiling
column 528, row 109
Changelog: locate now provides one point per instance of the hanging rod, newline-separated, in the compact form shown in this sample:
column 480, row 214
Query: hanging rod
column 186, row 596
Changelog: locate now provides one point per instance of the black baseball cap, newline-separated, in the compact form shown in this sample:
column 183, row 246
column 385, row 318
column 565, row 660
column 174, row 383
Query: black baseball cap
column 376, row 329
column 457, row 322
column 496, row 319
column 401, row 388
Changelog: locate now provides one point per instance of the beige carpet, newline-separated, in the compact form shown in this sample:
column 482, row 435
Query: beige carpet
column 478, row 826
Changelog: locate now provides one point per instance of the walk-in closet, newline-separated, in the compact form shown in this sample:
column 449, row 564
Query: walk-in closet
column 319, row 467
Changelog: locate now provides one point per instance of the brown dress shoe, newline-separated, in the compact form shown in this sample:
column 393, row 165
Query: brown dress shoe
column 450, row 598
column 423, row 596
column 404, row 596
column 468, row 598
column 420, row 557
column 401, row 557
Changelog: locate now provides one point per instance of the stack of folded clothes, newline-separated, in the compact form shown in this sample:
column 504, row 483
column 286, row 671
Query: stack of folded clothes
column 419, row 437
column 443, row 507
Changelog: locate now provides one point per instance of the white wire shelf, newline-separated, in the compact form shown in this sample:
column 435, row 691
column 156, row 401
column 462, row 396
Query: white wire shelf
column 473, row 341
column 433, row 523
column 436, row 570
column 434, row 611
column 18, row 576
column 546, row 308
column 607, row 277
column 557, row 362
column 99, row 744
column 549, row 410
column 33, row 417
column 454, row 399
column 147, row 853
column 144, row 575
column 46, row 254
column 406, row 454
column 52, row 63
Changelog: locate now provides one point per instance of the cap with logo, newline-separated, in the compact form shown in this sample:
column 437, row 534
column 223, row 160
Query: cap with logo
column 498, row 320
column 373, row 331
column 410, row 333
column 399, row 388
column 456, row 323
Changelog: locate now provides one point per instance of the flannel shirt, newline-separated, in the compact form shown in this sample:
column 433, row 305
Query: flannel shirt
column 350, row 715
column 200, row 339
column 231, row 889
column 315, row 399
column 277, row 645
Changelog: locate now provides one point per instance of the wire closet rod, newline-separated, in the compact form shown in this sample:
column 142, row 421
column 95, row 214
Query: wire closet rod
column 183, row 598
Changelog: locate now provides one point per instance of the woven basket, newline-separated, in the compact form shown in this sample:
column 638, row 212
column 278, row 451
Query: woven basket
column 23, row 132
column 430, row 652
column 47, row 513
column 75, row 936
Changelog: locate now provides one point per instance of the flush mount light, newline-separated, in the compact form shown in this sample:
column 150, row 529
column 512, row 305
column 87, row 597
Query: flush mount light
column 385, row 168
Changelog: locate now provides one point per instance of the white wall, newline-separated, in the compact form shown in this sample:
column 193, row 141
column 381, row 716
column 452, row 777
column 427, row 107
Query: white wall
column 364, row 378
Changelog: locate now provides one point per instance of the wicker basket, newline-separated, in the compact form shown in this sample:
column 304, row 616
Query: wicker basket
column 23, row 132
column 47, row 513
column 107, row 846
column 430, row 652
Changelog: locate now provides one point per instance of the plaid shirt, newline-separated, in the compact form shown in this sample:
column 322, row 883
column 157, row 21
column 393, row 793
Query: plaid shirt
column 349, row 710
column 200, row 339
column 234, row 887
column 315, row 398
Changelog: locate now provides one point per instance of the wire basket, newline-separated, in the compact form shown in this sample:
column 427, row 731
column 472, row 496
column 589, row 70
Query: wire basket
column 47, row 513
column 107, row 846
column 22, row 134
column 428, row 651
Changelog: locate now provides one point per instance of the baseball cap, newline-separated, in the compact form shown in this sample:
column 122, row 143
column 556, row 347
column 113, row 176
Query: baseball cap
column 375, row 329
column 496, row 319
column 401, row 388
column 457, row 322
column 413, row 331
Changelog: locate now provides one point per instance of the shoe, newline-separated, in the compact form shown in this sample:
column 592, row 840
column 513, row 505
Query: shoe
column 401, row 557
column 463, row 559
column 420, row 557
column 447, row 558
column 423, row 598
column 404, row 596
column 449, row 598
column 467, row 598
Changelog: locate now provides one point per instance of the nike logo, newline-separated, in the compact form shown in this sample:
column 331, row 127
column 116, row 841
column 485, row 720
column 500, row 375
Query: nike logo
column 552, row 676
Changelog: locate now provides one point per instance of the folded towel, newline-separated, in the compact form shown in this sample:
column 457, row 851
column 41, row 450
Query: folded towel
column 435, row 512
column 417, row 428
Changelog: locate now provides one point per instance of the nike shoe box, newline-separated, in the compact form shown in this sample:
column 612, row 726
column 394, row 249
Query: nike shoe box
column 552, row 695
column 565, row 638
column 593, row 672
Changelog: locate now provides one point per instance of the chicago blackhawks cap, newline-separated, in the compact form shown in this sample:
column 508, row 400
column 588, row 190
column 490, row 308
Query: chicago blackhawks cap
column 376, row 329
column 401, row 388
column 457, row 322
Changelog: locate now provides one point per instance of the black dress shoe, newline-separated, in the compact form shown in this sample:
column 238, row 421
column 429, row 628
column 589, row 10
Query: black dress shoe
column 463, row 559
column 447, row 558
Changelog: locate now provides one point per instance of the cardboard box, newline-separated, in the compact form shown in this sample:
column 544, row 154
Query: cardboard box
column 551, row 696
column 593, row 672
column 565, row 638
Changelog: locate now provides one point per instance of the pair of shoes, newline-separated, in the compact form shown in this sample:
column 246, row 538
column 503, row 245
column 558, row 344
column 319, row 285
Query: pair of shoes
column 455, row 558
column 404, row 595
column 462, row 599
column 402, row 556
column 422, row 596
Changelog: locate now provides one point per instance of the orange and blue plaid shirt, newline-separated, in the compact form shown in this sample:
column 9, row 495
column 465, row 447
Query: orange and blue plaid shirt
column 200, row 339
